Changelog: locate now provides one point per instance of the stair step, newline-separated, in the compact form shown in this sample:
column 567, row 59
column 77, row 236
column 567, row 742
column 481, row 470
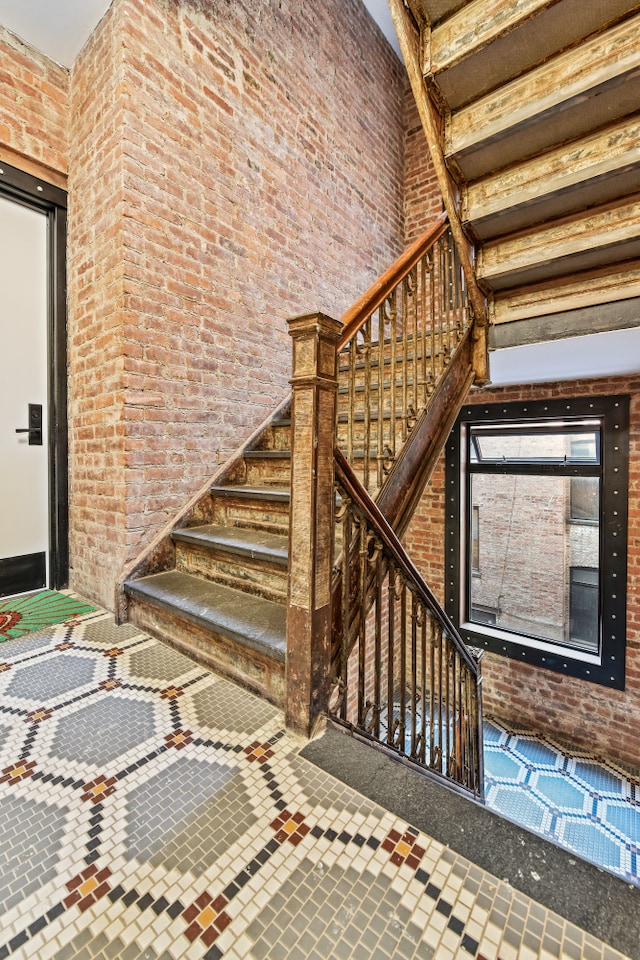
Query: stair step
column 244, row 618
column 256, row 544
column 267, row 454
column 272, row 494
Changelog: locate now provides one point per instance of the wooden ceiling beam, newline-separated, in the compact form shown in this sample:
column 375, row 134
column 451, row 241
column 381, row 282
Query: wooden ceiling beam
column 475, row 26
column 566, row 169
column 589, row 232
column 410, row 45
column 546, row 88
column 606, row 285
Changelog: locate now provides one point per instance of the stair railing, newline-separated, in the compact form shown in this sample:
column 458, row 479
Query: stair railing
column 396, row 344
column 406, row 680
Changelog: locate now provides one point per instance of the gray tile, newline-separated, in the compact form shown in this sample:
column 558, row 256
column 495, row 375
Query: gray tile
column 51, row 678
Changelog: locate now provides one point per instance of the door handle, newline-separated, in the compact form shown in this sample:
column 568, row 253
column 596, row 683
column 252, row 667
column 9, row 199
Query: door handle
column 35, row 425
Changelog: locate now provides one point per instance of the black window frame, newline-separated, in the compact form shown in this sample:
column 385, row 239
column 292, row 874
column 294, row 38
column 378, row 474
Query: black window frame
column 608, row 668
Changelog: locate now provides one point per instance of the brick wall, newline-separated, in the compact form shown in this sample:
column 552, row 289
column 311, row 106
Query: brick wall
column 422, row 199
column 34, row 109
column 233, row 164
column 587, row 715
column 96, row 289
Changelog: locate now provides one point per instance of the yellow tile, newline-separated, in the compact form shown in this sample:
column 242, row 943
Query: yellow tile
column 88, row 886
column 206, row 918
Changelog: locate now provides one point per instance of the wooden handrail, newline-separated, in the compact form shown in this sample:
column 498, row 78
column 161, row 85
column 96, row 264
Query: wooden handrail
column 378, row 292
column 354, row 489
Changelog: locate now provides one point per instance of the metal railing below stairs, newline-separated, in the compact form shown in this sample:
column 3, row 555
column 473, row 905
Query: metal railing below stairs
column 405, row 679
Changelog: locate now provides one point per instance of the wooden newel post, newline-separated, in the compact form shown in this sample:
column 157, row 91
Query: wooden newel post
column 311, row 532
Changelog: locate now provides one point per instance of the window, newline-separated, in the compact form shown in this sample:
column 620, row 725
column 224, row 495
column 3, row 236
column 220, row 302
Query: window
column 536, row 532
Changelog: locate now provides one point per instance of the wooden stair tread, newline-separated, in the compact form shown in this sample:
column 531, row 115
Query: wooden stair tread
column 244, row 618
column 277, row 494
column 257, row 544
column 267, row 454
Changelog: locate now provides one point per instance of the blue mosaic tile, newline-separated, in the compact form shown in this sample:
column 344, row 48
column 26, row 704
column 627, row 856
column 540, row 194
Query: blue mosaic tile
column 624, row 818
column 560, row 792
column 520, row 806
column 535, row 752
column 596, row 776
column 492, row 733
column 527, row 774
column 502, row 767
column 589, row 840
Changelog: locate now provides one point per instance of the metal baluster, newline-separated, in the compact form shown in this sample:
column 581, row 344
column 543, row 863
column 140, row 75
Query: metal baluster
column 351, row 397
column 381, row 325
column 432, row 317
column 392, row 391
column 346, row 600
column 362, row 629
column 366, row 351
column 447, row 702
column 412, row 331
column 440, row 679
column 400, row 740
column 390, row 652
column 455, row 720
column 414, row 669
column 378, row 640
column 423, row 332
column 403, row 351
column 432, row 693
column 423, row 684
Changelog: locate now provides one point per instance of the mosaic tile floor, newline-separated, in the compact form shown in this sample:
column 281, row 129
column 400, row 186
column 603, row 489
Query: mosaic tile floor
column 588, row 807
column 152, row 810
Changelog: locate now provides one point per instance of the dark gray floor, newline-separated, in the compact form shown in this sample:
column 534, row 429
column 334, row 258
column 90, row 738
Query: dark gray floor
column 593, row 899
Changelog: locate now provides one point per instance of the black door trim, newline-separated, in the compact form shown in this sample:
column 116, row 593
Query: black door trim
column 38, row 194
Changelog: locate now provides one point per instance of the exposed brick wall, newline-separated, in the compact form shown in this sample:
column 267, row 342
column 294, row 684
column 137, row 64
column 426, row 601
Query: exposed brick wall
column 587, row 715
column 34, row 104
column 233, row 164
column 96, row 285
column 422, row 199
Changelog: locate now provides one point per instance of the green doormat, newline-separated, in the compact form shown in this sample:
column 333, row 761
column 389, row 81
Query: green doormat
column 20, row 615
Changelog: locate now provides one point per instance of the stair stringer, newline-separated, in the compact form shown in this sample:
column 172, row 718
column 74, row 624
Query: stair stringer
column 159, row 555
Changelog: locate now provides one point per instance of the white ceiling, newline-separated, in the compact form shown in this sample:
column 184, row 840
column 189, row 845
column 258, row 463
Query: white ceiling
column 60, row 28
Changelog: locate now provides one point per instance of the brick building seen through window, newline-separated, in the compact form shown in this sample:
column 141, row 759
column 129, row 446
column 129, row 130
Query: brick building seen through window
column 536, row 532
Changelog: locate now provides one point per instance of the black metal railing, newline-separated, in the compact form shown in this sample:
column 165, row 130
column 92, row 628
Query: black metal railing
column 404, row 678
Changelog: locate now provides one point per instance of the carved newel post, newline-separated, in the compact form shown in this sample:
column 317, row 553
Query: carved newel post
column 311, row 532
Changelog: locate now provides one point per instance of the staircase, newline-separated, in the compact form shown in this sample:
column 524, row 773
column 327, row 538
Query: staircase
column 531, row 114
column 221, row 595
column 237, row 585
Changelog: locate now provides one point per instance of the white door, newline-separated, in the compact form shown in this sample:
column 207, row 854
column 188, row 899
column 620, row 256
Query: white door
column 24, row 463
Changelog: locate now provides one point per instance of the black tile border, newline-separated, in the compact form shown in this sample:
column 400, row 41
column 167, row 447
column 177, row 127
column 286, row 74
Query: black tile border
column 603, row 905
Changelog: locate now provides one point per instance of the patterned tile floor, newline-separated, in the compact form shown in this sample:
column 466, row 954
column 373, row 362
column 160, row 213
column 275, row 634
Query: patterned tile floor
column 588, row 807
column 152, row 810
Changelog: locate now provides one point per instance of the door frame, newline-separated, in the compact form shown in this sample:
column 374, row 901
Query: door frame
column 39, row 195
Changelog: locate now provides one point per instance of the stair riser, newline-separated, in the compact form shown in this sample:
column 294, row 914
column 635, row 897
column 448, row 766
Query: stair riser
column 265, row 579
column 251, row 514
column 276, row 437
column 273, row 470
column 260, row 674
